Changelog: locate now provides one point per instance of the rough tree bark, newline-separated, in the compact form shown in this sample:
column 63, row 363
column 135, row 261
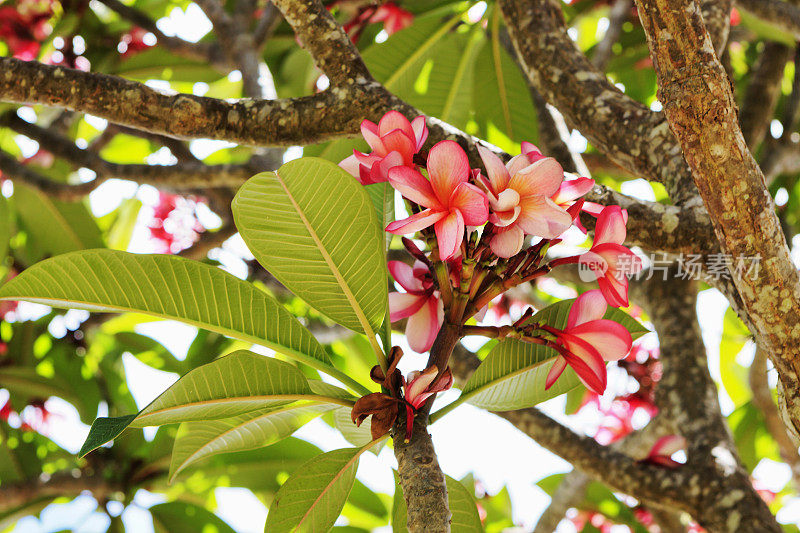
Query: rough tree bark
column 702, row 112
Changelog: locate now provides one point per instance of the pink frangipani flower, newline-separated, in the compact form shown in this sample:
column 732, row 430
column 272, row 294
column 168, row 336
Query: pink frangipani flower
column 450, row 202
column 420, row 386
column 420, row 304
column 519, row 196
column 608, row 260
column 588, row 341
column 394, row 141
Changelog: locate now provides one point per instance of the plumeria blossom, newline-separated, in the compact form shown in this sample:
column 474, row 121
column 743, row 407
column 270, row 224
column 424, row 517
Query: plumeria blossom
column 450, row 202
column 519, row 194
column 420, row 304
column 608, row 260
column 419, row 387
column 588, row 341
column 394, row 141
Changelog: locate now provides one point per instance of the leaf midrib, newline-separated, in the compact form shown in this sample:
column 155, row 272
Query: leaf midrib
column 207, row 444
column 470, row 394
column 259, row 397
column 329, row 261
column 332, row 481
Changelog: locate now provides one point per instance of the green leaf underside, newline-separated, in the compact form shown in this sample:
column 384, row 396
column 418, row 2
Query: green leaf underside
column 465, row 518
column 168, row 287
column 314, row 227
column 513, row 374
column 312, row 499
column 198, row 440
column 230, row 386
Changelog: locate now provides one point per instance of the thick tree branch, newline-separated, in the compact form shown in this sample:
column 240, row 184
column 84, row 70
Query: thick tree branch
column 628, row 132
column 782, row 15
column 283, row 122
column 13, row 495
column 238, row 43
column 717, row 16
column 687, row 396
column 763, row 92
column 700, row 106
column 619, row 13
column 333, row 51
column 762, row 399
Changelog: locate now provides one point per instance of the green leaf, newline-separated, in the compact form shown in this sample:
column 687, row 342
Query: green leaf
column 382, row 196
column 431, row 65
column 355, row 435
column 501, row 97
column 513, row 374
column 232, row 385
column 313, row 226
column 55, row 227
column 735, row 337
column 170, row 287
column 313, row 497
column 183, row 517
column 399, row 508
column 197, row 440
column 465, row 516
column 156, row 62
column 104, row 430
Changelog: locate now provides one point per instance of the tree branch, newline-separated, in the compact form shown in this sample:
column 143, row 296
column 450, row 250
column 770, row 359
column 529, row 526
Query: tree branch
column 619, row 13
column 782, row 15
column 283, row 122
column 628, row 132
column 182, row 176
column 763, row 92
column 762, row 399
column 330, row 47
column 701, row 109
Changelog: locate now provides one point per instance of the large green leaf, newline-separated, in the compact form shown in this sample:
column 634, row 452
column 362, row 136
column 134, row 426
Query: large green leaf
column 501, row 97
column 429, row 64
column 312, row 498
column 232, row 385
column 513, row 374
column 174, row 288
column 197, row 440
column 55, row 227
column 465, row 516
column 183, row 517
column 313, row 226
column 399, row 508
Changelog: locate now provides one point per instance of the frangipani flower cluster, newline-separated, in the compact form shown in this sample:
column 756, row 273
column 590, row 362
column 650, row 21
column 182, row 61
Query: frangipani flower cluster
column 487, row 230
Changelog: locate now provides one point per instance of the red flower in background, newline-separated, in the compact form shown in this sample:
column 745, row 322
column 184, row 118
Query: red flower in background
column 394, row 18
column 23, row 27
column 132, row 43
column 174, row 226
